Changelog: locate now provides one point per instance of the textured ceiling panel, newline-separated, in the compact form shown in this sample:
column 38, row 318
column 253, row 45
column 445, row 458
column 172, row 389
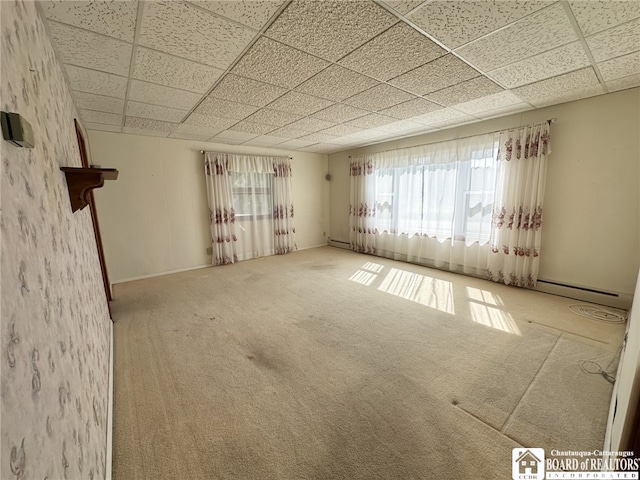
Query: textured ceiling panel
column 208, row 121
column 192, row 33
column 455, row 23
column 543, row 30
column 299, row 103
column 268, row 140
column 465, row 91
column 403, row 6
column 158, row 67
column 379, row 97
column 86, row 49
column 394, row 52
column 339, row 113
column 438, row 116
column 371, row 121
column 330, row 29
column 545, row 65
column 620, row 67
column 454, row 121
column 594, row 16
column 310, row 124
column 616, row 41
column 189, row 136
column 336, row 83
column 288, row 132
column 252, row 13
column 417, row 106
column 296, row 143
column 114, row 19
column 235, row 135
column 204, row 131
column 155, row 112
column 491, row 102
column 400, row 126
column 342, row 129
column 564, row 88
column 273, row 117
column 245, row 90
column 160, row 95
column 101, row 127
column 101, row 103
column 317, row 137
column 216, row 107
column 624, row 83
column 253, row 128
column 91, row 81
column 516, row 108
column 275, row 63
column 436, row 75
column 100, row 117
column 148, row 124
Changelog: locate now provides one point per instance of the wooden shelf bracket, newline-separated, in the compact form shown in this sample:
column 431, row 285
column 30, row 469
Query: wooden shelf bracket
column 81, row 181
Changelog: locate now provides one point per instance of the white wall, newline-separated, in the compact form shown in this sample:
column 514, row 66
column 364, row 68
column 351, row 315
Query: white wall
column 154, row 217
column 590, row 234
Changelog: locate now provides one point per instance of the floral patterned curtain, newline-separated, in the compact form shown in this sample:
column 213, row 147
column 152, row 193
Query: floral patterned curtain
column 363, row 231
column 222, row 216
column 284, row 228
column 517, row 215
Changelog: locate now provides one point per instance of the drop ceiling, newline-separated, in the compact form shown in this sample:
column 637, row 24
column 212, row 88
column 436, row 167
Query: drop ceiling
column 323, row 76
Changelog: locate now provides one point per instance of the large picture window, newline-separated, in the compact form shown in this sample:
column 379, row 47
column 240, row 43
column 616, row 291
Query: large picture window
column 252, row 195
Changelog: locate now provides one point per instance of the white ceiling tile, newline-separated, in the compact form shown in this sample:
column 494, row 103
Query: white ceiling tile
column 400, row 126
column 236, row 135
column 623, row 83
column 503, row 111
column 155, row 112
column 145, row 132
column 438, row 116
column 115, row 19
column 209, row 122
column 373, row 120
column 543, row 30
column 336, row 83
column 403, row 6
column 189, row 32
column 339, row 113
column 342, row 130
column 252, row 128
column 197, row 130
column 330, row 29
column 92, row 81
column 91, row 101
column 455, row 22
column 545, row 65
column 620, row 67
column 217, row 107
column 278, row 64
column 457, row 121
column 100, row 117
column 311, row 124
column 87, row 49
column 102, row 127
column 269, row 139
column 465, row 91
column 273, row 117
column 296, row 143
column 254, row 143
column 412, row 108
column 189, row 136
column 396, row 51
column 227, row 141
column 299, row 103
column 593, row 16
column 564, row 88
column 323, row 148
column 158, row 67
column 288, row 132
column 148, row 124
column 245, row 90
column 436, row 75
column 379, row 97
column 345, row 141
column 368, row 134
column 318, row 137
column 616, row 41
column 252, row 13
column 160, row 95
column 496, row 101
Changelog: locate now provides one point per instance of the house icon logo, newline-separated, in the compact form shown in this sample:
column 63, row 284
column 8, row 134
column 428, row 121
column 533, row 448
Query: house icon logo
column 528, row 463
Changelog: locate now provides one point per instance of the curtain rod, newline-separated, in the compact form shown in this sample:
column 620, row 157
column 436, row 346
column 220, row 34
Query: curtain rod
column 250, row 155
column 549, row 121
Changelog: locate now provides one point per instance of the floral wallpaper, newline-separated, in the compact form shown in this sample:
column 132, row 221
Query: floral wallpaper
column 54, row 360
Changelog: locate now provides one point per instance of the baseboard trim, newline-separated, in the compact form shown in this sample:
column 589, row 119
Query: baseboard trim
column 587, row 294
column 160, row 274
column 314, row 246
column 108, row 472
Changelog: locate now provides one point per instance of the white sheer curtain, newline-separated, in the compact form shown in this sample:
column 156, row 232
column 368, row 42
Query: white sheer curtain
column 517, row 216
column 250, row 199
column 434, row 203
column 221, row 210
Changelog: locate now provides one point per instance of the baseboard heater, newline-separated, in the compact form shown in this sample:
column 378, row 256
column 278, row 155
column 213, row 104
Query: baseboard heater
column 602, row 297
column 339, row 244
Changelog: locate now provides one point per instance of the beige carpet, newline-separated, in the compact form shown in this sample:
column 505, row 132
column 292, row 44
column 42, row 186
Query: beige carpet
column 327, row 364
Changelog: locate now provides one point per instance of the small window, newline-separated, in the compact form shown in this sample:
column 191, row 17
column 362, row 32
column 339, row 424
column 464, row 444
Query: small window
column 252, row 195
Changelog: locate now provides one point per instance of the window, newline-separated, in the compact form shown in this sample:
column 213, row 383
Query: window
column 452, row 200
column 252, row 195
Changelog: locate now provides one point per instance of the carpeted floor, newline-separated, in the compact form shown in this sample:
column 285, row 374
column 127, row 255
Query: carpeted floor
column 327, row 364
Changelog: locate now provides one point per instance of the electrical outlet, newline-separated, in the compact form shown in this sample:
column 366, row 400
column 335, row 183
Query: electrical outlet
column 210, row 251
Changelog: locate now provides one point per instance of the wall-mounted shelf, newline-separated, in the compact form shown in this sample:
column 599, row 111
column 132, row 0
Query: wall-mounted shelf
column 81, row 181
